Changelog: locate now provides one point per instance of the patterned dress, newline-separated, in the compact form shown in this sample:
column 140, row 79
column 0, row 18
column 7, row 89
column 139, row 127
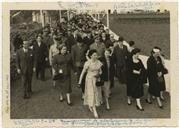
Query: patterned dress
column 93, row 94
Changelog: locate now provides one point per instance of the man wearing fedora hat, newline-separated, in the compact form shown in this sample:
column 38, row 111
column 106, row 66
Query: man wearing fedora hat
column 120, row 53
column 25, row 67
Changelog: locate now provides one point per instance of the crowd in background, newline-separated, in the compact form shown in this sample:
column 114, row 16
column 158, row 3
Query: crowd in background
column 82, row 47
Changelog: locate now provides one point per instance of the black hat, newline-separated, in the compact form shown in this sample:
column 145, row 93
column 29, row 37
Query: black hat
column 121, row 39
column 131, row 43
column 135, row 51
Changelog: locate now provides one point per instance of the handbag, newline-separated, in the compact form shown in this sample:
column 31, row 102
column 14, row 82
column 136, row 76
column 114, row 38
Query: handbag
column 58, row 76
column 99, row 82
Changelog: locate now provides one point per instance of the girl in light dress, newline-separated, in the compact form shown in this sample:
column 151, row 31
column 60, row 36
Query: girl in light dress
column 92, row 94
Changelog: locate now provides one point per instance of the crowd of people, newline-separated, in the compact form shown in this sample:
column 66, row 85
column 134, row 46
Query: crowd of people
column 82, row 47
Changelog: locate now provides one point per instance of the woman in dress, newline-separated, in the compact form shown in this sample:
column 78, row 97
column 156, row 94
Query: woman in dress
column 130, row 48
column 92, row 94
column 107, row 75
column 156, row 72
column 62, row 64
column 135, row 77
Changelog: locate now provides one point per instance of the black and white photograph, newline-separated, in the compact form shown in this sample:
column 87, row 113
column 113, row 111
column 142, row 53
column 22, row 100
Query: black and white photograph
column 90, row 61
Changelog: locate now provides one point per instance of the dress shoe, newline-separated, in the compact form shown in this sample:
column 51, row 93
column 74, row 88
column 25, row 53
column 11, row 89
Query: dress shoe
column 161, row 98
column 70, row 104
column 161, row 107
column 141, row 109
column 149, row 102
column 61, row 100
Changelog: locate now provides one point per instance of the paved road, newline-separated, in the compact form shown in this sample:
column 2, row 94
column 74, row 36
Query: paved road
column 45, row 104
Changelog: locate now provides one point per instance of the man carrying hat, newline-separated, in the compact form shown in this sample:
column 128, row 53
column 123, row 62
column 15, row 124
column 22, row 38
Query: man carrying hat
column 25, row 67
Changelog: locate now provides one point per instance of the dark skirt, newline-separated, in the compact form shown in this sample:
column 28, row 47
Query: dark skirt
column 135, row 87
column 162, row 85
column 121, row 74
column 64, row 84
column 156, row 87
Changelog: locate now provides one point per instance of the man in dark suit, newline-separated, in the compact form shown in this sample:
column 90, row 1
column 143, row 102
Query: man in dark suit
column 46, row 38
column 88, row 40
column 25, row 67
column 110, row 41
column 78, row 53
column 70, row 40
column 41, row 54
column 120, row 56
column 17, row 42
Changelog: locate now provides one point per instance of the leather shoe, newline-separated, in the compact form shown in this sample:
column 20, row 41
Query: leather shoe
column 61, row 100
column 161, row 107
column 141, row 109
column 148, row 101
column 70, row 104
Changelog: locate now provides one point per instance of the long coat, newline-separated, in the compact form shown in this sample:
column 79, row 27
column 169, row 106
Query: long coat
column 64, row 63
column 108, row 74
column 70, row 42
column 153, row 67
column 135, row 81
column 25, row 61
column 120, row 57
column 40, row 52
